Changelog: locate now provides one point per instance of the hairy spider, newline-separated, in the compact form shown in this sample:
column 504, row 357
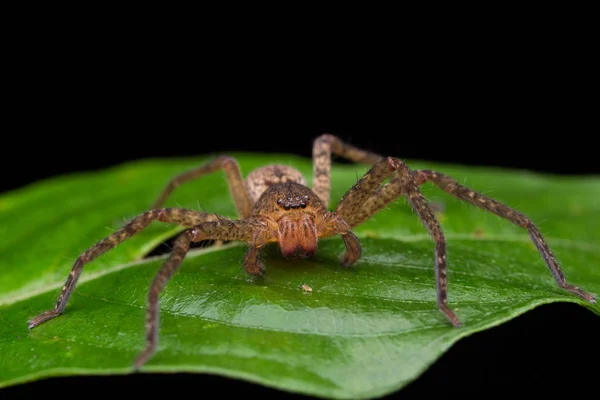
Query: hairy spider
column 275, row 205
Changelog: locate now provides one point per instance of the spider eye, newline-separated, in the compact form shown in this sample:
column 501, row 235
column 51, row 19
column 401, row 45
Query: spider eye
column 280, row 201
column 286, row 206
column 303, row 205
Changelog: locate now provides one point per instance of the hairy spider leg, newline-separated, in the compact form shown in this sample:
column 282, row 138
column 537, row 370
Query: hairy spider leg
column 222, row 229
column 234, row 179
column 354, row 201
column 180, row 248
column 327, row 144
column 323, row 146
column 381, row 197
column 451, row 186
column 187, row 218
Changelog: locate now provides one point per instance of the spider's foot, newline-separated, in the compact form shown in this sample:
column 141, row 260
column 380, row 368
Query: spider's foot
column 584, row 295
column 256, row 268
column 258, row 275
column 353, row 249
column 349, row 259
column 346, row 263
column 143, row 357
column 43, row 317
column 590, row 298
column 450, row 315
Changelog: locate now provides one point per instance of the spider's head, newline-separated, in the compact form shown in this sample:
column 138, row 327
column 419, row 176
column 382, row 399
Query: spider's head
column 293, row 209
column 296, row 226
column 297, row 236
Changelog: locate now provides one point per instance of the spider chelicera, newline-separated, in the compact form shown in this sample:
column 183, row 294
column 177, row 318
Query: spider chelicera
column 275, row 205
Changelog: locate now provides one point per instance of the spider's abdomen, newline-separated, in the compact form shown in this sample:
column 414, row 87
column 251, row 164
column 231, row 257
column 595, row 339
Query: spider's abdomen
column 259, row 180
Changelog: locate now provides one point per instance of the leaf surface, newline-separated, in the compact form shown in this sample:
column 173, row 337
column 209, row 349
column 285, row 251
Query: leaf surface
column 362, row 332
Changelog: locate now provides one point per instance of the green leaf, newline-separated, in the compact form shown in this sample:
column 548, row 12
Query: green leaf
column 361, row 332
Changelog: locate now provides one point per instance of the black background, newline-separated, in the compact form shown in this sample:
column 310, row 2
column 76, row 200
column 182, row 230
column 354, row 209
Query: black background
column 521, row 104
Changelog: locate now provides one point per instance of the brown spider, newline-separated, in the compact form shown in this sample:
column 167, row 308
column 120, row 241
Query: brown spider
column 276, row 206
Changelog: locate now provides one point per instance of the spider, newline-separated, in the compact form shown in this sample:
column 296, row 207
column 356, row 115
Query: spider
column 276, row 206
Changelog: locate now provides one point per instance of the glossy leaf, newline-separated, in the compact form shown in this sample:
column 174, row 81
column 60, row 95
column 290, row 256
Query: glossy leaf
column 361, row 332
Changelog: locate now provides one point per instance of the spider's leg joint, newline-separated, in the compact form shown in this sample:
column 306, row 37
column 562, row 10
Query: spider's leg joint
column 393, row 164
column 420, row 177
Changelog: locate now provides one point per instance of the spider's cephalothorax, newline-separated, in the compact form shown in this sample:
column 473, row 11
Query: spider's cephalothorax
column 276, row 206
column 295, row 214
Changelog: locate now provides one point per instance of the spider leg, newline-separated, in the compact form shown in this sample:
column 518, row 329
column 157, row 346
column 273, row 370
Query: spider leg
column 451, row 186
column 252, row 263
column 323, row 146
column 180, row 248
column 234, row 178
column 188, row 218
column 222, row 229
column 380, row 198
column 366, row 190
